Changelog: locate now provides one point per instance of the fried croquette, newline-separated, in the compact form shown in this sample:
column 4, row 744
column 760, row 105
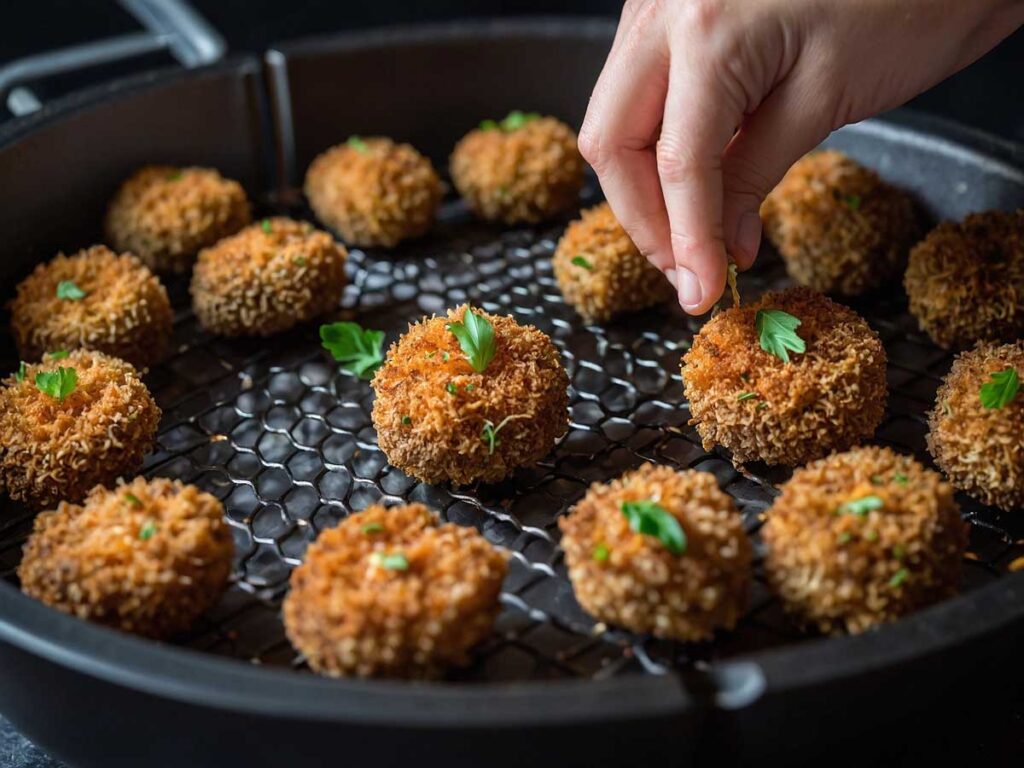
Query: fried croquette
column 94, row 299
column 862, row 538
column 374, row 191
column 165, row 215
column 981, row 449
column 269, row 277
column 601, row 272
column 147, row 557
column 838, row 227
column 392, row 593
column 437, row 418
column 94, row 423
column 634, row 580
column 760, row 408
column 965, row 281
column 519, row 170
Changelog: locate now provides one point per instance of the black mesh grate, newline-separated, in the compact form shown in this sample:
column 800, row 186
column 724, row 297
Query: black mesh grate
column 285, row 440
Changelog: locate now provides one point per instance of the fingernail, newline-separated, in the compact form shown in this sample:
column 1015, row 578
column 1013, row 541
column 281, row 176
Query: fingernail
column 690, row 292
column 671, row 275
column 748, row 234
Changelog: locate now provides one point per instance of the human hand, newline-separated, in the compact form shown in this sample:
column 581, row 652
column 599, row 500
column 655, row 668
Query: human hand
column 703, row 105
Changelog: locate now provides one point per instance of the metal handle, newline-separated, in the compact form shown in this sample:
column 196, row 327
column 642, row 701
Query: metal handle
column 173, row 25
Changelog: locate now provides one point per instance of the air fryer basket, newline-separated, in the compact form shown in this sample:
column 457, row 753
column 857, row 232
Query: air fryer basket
column 284, row 438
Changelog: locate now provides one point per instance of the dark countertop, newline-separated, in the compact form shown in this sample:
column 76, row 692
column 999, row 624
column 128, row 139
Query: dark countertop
column 988, row 727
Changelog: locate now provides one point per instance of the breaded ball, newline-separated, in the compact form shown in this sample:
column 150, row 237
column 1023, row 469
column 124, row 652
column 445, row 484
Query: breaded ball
column 965, row 281
column 148, row 557
column 981, row 449
column 94, row 299
column 392, row 593
column 269, row 277
column 374, row 191
column 838, row 226
column 55, row 450
column 438, row 419
column 633, row 580
column 601, row 273
column 862, row 538
column 165, row 214
column 523, row 169
column 763, row 409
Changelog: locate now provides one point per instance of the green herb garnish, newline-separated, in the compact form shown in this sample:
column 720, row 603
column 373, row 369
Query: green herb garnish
column 175, row 175
column 395, row 561
column 57, row 384
column 489, row 125
column 59, row 354
column 898, row 552
column 777, row 332
column 476, row 337
column 871, row 536
column 844, row 537
column 359, row 350
column 581, row 261
column 445, row 356
column 19, row 375
column 148, row 530
column 451, row 388
column 358, row 145
column 132, row 499
column 1000, row 390
column 513, row 121
column 266, row 226
column 68, row 290
column 299, row 261
column 899, row 478
column 860, row 507
column 852, row 202
column 489, row 434
column 371, row 528
column 600, row 553
column 652, row 519
column 899, row 577
column 406, row 420
column 746, row 396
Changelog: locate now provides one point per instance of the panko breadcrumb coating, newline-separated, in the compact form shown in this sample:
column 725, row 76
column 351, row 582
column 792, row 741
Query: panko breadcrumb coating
column 432, row 407
column 632, row 580
column 374, row 191
column 148, row 557
column 392, row 593
column 124, row 312
column 838, row 226
column 527, row 174
column 271, row 276
column 763, row 409
column 53, row 450
column 965, row 281
column 165, row 214
column 980, row 449
column 601, row 272
column 861, row 538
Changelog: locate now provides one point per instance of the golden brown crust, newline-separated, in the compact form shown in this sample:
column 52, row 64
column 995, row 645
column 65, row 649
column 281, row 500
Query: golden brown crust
column 643, row 586
column 829, row 398
column 435, row 435
column 124, row 313
column 53, row 451
column 966, row 281
column 981, row 450
column 350, row 615
column 148, row 557
column 619, row 278
column 848, row 571
column 838, row 226
column 526, row 175
column 375, row 193
column 269, row 277
column 165, row 214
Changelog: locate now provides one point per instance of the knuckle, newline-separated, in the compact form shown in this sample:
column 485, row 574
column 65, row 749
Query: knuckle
column 701, row 16
column 744, row 177
column 676, row 160
column 589, row 144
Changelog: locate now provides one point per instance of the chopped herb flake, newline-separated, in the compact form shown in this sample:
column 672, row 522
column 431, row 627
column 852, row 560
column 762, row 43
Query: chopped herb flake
column 469, row 387
column 877, row 479
column 899, row 577
column 1001, row 389
column 132, row 499
column 899, row 552
column 581, row 261
column 406, row 420
column 68, row 290
column 489, row 125
column 371, row 528
column 148, row 530
column 852, row 202
column 476, row 337
column 358, row 145
column 746, row 396
column 860, row 507
column 430, row 355
column 652, row 519
column 175, row 175
column 489, row 434
column 299, row 261
column 57, row 384
column 871, row 536
column 600, row 553
column 513, row 121
column 359, row 350
column 899, row 478
column 394, row 561
column 777, row 332
column 844, row 537
column 450, row 388
column 266, row 226
column 445, row 356
column 60, row 354
column 762, row 406
column 19, row 375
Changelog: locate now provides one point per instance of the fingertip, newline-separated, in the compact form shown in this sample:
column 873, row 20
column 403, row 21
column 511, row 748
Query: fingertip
column 746, row 240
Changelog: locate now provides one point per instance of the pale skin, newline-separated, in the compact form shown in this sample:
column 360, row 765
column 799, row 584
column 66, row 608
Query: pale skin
column 703, row 105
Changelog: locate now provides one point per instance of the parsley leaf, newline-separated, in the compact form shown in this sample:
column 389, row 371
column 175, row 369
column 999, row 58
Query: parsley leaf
column 899, row 577
column 601, row 553
column 489, row 434
column 899, row 478
column 60, row 354
column 1000, row 390
column 68, row 290
column 450, row 388
column 132, row 499
column 777, row 332
column 515, row 120
column 266, row 226
column 581, row 261
column 148, row 530
column 860, row 507
column 394, row 561
column 57, row 384
column 370, row 528
column 359, row 351
column 406, row 420
column 489, row 125
column 358, row 144
column 652, row 519
column 746, row 396
column 476, row 337
column 844, row 538
column 19, row 375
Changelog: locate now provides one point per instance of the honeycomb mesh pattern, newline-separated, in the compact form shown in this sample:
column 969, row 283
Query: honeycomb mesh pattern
column 285, row 440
